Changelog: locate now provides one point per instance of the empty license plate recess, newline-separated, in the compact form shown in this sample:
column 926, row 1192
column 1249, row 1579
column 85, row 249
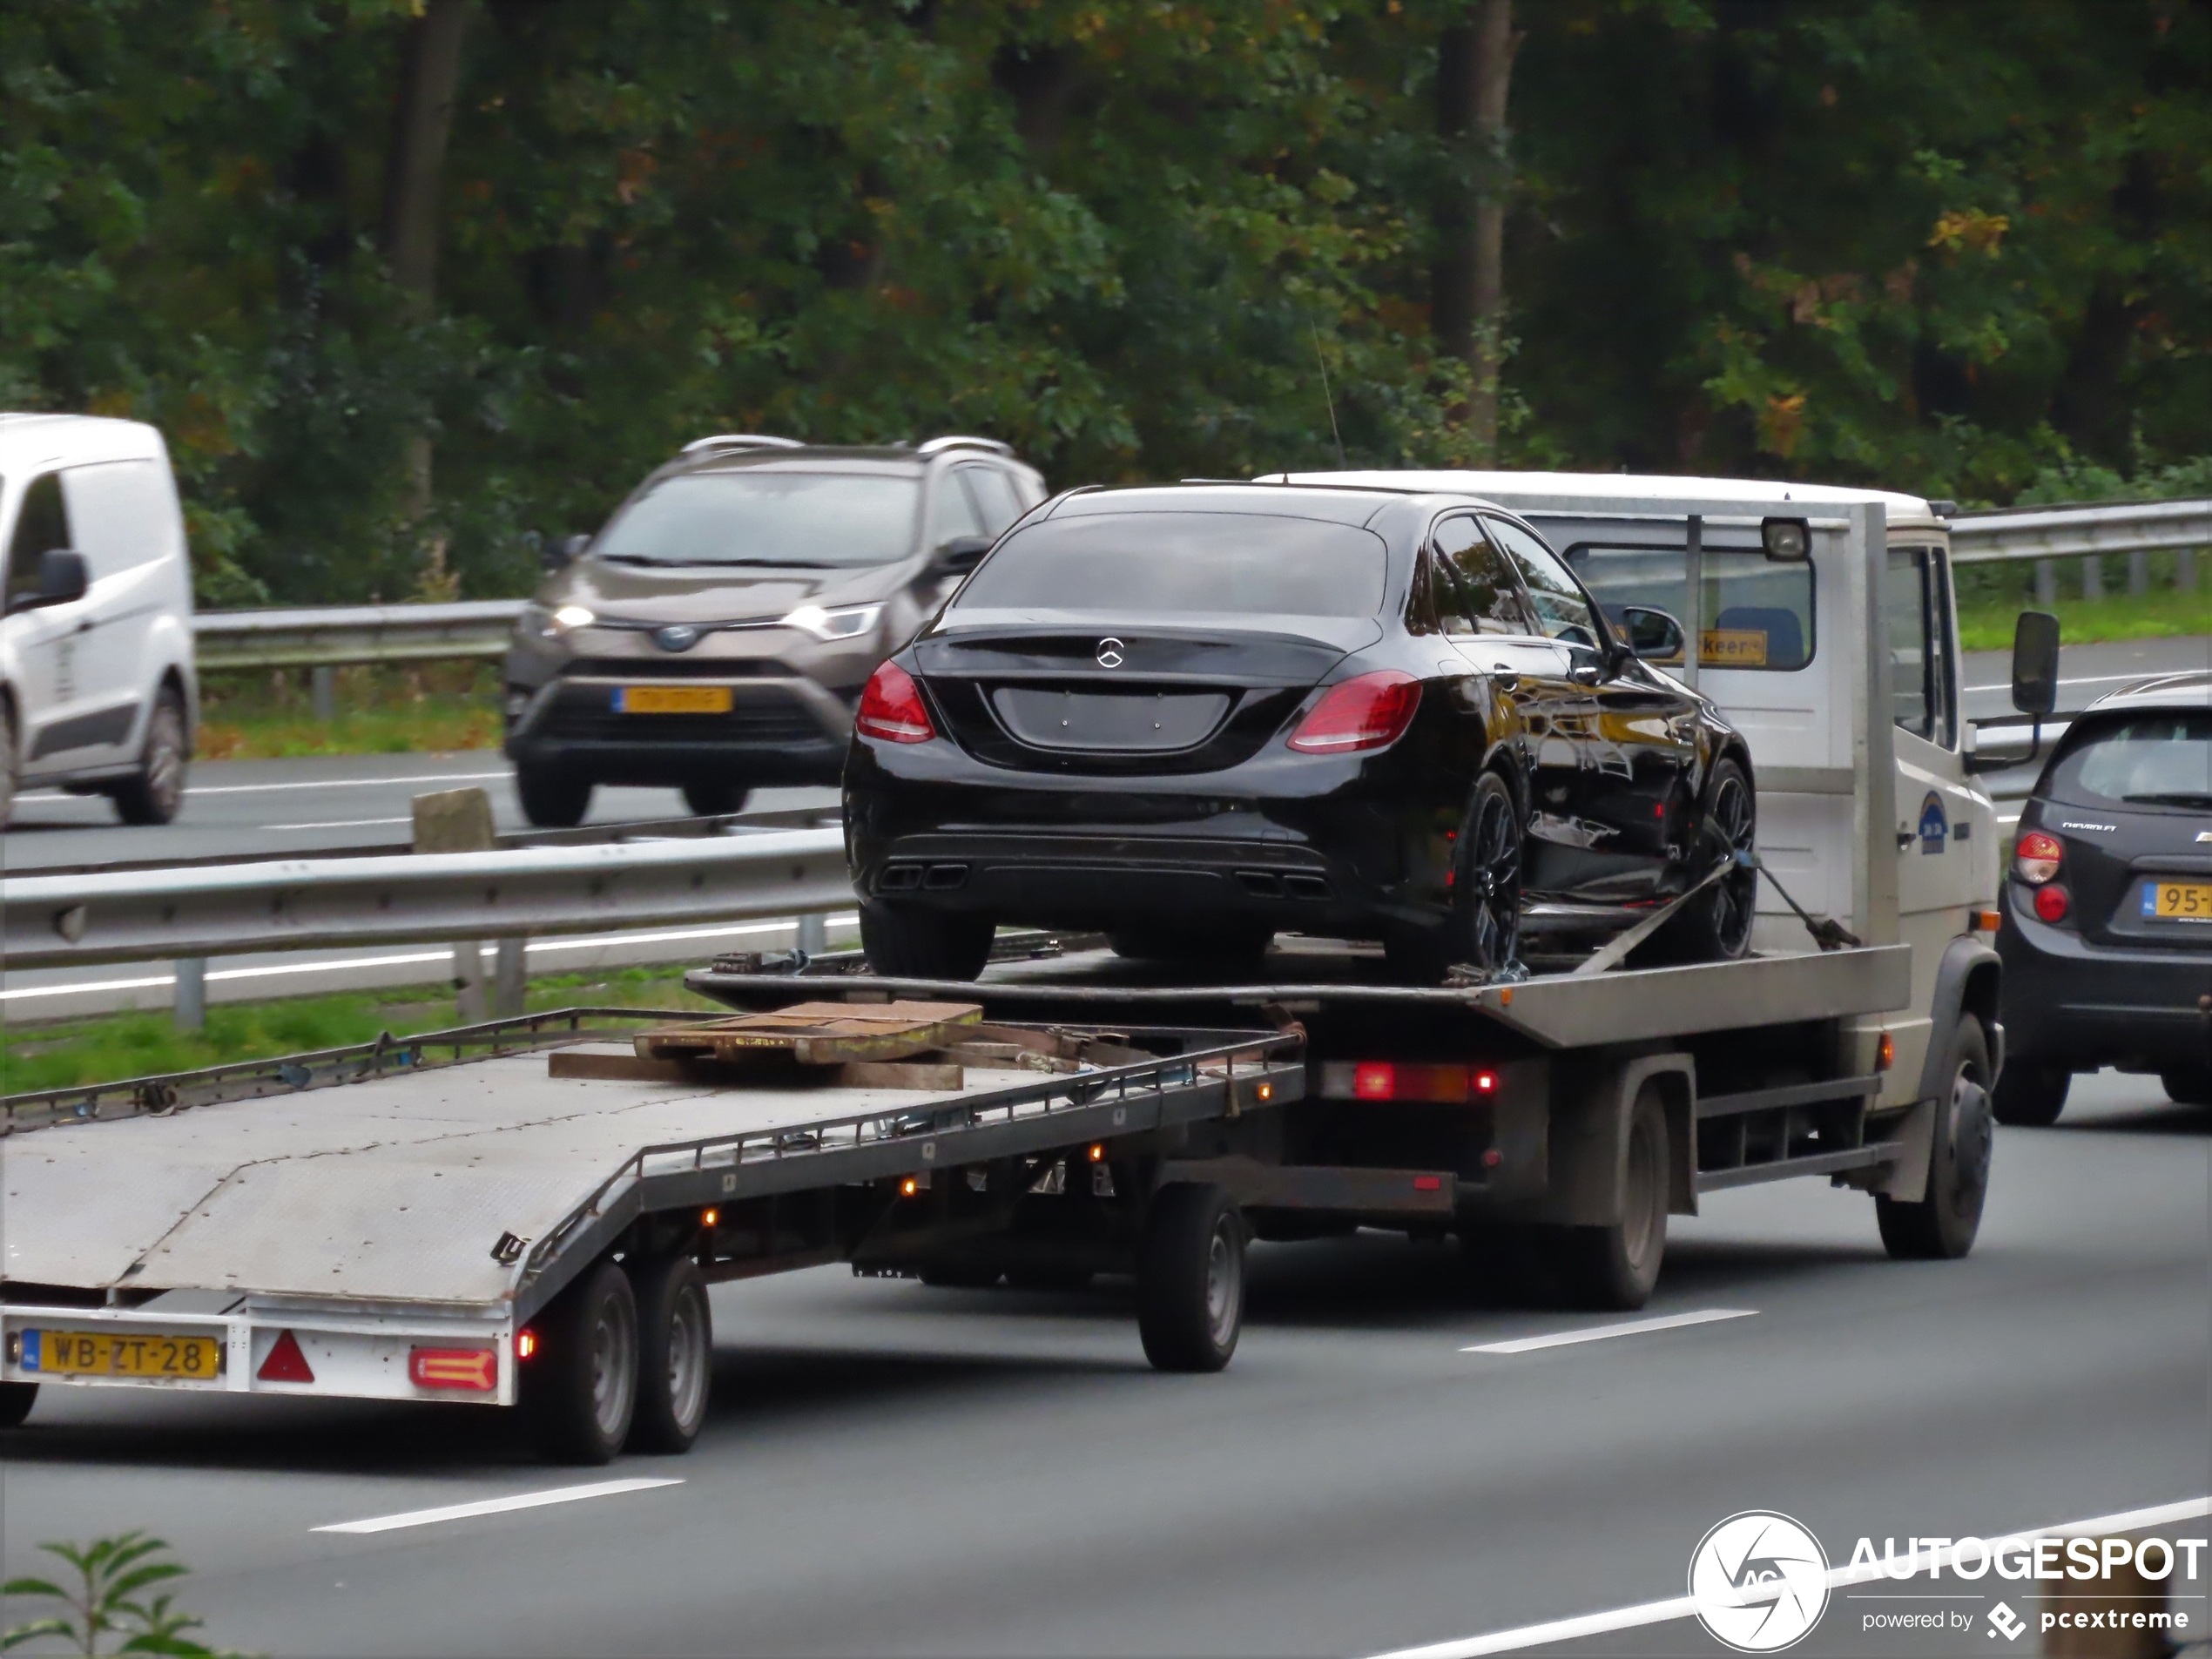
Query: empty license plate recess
column 1123, row 722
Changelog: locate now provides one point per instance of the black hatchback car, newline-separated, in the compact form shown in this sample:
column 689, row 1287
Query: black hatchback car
column 1194, row 716
column 2107, row 933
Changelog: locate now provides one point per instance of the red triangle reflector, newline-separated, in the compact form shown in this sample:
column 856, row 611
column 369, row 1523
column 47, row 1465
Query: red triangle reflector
column 285, row 1363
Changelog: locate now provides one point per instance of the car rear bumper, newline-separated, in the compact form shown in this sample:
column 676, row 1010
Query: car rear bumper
column 777, row 731
column 2068, row 1002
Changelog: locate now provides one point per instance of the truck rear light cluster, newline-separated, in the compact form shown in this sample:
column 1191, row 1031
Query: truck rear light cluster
column 2036, row 859
column 1370, row 711
column 473, row 1369
column 1396, row 1079
column 892, row 709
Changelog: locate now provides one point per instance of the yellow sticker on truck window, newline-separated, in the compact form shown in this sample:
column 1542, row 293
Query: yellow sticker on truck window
column 1732, row 648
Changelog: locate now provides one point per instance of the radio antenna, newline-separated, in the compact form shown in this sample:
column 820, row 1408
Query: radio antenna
column 1327, row 396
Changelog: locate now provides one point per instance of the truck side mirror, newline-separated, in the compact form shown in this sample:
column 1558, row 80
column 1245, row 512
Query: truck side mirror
column 2035, row 662
column 61, row 580
column 959, row 556
column 560, row 553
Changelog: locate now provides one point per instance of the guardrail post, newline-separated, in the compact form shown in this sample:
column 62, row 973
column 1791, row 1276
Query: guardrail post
column 814, row 932
column 2185, row 570
column 469, row 981
column 2047, row 583
column 324, row 680
column 2138, row 573
column 189, row 1009
column 2093, row 577
column 509, row 978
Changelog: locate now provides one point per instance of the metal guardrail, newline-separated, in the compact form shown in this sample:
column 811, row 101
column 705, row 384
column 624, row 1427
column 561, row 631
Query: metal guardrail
column 303, row 904
column 2070, row 532
column 330, row 637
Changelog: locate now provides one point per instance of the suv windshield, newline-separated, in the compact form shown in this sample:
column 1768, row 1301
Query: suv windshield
column 2147, row 760
column 1175, row 563
column 760, row 516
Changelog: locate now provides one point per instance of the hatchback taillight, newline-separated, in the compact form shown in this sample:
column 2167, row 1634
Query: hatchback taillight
column 1369, row 712
column 892, row 709
column 2035, row 858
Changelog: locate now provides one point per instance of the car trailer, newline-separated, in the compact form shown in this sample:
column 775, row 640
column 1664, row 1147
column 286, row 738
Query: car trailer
column 532, row 1221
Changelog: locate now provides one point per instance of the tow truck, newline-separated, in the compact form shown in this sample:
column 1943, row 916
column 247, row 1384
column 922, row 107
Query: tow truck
column 527, row 1213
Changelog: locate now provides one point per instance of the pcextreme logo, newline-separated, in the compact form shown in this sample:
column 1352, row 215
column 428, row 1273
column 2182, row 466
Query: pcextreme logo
column 1759, row 1582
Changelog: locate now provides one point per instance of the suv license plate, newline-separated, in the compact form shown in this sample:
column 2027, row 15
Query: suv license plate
column 673, row 699
column 2178, row 900
column 107, row 1354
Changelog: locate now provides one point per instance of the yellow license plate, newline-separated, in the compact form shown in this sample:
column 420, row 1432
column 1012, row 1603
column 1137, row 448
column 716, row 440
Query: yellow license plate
column 106, row 1354
column 673, row 699
column 2178, row 900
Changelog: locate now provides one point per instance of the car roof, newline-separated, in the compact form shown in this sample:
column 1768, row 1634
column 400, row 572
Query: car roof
column 1530, row 490
column 827, row 457
column 2189, row 690
column 1331, row 504
column 40, row 440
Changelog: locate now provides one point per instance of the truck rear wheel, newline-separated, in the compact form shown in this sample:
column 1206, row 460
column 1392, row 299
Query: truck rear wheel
column 675, row 1354
column 2029, row 1096
column 16, row 1400
column 1615, row 1267
column 1190, row 1278
column 1940, row 1226
column 580, row 1388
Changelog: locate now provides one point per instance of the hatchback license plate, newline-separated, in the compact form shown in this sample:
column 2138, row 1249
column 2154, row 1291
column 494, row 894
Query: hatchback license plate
column 673, row 699
column 106, row 1354
column 2178, row 900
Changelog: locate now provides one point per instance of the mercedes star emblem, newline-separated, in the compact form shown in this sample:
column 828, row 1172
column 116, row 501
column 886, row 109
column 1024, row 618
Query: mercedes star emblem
column 1109, row 653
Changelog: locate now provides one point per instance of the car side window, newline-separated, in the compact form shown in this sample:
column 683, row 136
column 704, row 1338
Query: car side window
column 1488, row 602
column 1920, row 689
column 1562, row 610
column 994, row 495
column 952, row 511
column 43, row 524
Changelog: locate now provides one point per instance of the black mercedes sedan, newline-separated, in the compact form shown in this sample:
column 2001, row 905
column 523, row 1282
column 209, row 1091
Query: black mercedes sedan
column 1197, row 715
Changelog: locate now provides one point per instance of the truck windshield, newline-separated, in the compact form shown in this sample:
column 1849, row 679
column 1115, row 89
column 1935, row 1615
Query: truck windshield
column 1180, row 563
column 2150, row 760
column 762, row 517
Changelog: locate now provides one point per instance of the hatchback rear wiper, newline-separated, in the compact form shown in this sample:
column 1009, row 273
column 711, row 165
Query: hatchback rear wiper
column 2173, row 798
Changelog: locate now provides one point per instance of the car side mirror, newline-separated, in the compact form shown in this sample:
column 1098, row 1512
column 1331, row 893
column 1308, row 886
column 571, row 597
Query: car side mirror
column 61, row 580
column 2035, row 662
column 1654, row 634
column 565, row 551
column 959, row 556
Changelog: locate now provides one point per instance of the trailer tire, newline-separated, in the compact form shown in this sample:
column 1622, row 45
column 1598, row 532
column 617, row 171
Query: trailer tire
column 958, row 1276
column 1940, row 1226
column 1615, row 1267
column 16, row 1400
column 1064, row 1281
column 921, row 944
column 1190, row 1278
column 580, row 1389
column 2030, row 1095
column 675, row 1354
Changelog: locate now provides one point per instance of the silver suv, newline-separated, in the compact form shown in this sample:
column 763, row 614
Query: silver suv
column 715, row 636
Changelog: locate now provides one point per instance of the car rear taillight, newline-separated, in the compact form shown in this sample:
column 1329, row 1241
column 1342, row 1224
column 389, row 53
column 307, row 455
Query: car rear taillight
column 1369, row 712
column 892, row 708
column 2036, row 859
column 2051, row 903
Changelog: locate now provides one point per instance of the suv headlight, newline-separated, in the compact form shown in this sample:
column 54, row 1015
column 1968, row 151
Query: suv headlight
column 537, row 620
column 849, row 622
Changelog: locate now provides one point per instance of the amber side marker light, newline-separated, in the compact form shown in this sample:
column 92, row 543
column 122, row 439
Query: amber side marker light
column 1885, row 1055
column 907, row 1188
column 473, row 1369
column 710, row 1217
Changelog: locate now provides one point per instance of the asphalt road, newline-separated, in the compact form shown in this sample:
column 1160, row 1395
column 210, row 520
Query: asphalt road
column 892, row 1469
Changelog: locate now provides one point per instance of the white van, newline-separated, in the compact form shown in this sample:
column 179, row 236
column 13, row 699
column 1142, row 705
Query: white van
column 98, row 694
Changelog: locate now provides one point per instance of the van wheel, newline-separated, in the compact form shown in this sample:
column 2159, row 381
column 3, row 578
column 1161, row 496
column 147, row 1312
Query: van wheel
column 715, row 800
column 2183, row 1088
column 1715, row 926
column 7, row 763
column 2030, row 1096
column 1615, row 1267
column 16, row 1402
column 156, row 790
column 580, row 1389
column 1190, row 1278
column 550, row 801
column 675, row 1354
column 918, row 944
column 1941, row 1225
column 1482, row 929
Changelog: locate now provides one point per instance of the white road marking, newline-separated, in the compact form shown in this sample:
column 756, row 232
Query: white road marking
column 1600, row 1332
column 341, row 823
column 2094, row 680
column 500, row 1506
column 1681, row 1606
column 347, row 783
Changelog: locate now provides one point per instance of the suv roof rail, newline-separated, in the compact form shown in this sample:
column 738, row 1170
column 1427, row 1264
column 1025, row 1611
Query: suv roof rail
column 935, row 445
column 741, row 440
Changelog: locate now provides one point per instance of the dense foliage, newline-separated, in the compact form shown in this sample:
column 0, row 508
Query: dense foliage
column 1963, row 248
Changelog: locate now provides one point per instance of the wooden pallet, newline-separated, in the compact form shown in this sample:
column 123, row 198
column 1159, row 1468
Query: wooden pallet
column 816, row 1034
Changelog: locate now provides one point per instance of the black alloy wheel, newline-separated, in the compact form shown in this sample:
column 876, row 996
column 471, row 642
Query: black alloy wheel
column 1482, row 929
column 1715, row 926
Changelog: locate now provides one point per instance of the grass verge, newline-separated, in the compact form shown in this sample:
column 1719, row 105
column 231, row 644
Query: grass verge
column 426, row 708
column 111, row 1046
column 1987, row 625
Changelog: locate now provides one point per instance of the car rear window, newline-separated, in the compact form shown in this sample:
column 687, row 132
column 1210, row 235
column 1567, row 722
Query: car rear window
column 2144, row 761
column 762, row 516
column 1173, row 563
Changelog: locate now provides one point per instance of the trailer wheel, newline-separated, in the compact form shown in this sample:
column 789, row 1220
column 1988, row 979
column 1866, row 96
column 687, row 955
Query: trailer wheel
column 958, row 1276
column 1065, row 1281
column 16, row 1402
column 1615, row 1267
column 1941, row 1225
column 675, row 1354
column 580, row 1389
column 1190, row 1278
